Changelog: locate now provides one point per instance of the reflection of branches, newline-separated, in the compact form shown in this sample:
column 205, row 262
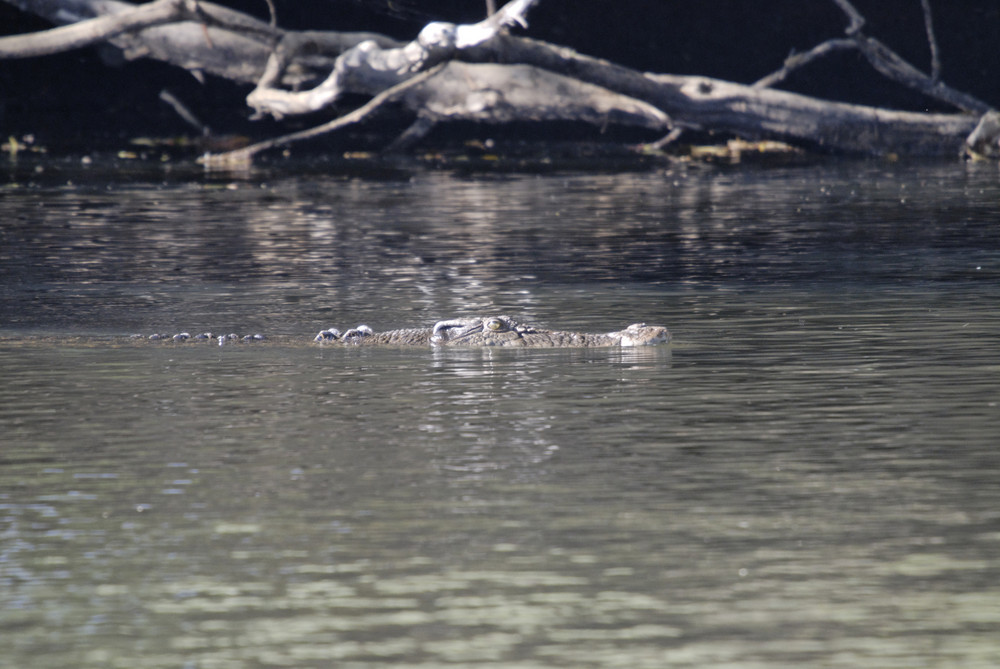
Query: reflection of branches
column 884, row 60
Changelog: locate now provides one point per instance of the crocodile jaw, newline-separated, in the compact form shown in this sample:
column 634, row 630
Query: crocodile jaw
column 455, row 329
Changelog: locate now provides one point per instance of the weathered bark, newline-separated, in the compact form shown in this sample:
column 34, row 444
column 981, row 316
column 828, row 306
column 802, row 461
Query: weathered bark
column 204, row 38
column 99, row 29
column 720, row 106
column 485, row 93
column 480, row 73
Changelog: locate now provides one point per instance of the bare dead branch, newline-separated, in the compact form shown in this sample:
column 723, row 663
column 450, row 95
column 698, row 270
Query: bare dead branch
column 931, row 41
column 94, row 31
column 666, row 140
column 494, row 94
column 800, row 60
column 885, row 61
column 890, row 65
column 370, row 68
column 244, row 156
column 490, row 88
column 721, row 106
column 181, row 109
column 857, row 22
column 213, row 39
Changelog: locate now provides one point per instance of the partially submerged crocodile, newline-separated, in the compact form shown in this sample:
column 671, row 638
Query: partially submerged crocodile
column 478, row 331
column 496, row 331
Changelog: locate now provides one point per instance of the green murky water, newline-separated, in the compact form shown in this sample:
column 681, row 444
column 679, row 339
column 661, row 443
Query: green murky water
column 807, row 476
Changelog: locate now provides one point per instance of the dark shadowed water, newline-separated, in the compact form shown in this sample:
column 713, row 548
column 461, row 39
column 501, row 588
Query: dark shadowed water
column 808, row 476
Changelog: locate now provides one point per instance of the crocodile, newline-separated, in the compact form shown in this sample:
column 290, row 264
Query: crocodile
column 477, row 331
column 363, row 334
column 497, row 331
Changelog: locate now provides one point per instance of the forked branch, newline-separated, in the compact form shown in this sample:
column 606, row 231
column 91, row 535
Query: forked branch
column 886, row 61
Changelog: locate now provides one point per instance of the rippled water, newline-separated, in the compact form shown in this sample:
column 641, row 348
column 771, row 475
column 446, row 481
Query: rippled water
column 807, row 476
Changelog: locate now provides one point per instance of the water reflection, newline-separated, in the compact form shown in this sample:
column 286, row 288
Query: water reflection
column 318, row 248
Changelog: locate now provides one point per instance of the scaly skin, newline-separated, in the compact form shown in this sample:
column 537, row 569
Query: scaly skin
column 497, row 331
column 472, row 332
column 363, row 335
column 505, row 331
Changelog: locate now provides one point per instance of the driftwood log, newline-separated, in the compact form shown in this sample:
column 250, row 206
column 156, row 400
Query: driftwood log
column 481, row 72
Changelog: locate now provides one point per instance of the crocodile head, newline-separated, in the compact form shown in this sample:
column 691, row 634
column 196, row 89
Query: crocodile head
column 478, row 331
column 640, row 334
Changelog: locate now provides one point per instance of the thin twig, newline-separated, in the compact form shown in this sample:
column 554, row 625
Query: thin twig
column 184, row 112
column 884, row 60
column 931, row 41
column 893, row 67
column 853, row 15
column 273, row 12
column 669, row 138
column 795, row 61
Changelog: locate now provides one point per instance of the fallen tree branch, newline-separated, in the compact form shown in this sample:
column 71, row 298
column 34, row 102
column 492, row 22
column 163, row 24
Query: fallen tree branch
column 243, row 157
column 703, row 103
column 208, row 39
column 486, row 66
column 484, row 93
column 96, row 30
column 370, row 67
column 494, row 94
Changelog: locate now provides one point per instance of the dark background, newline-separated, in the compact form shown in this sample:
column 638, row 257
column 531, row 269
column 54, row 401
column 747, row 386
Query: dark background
column 91, row 94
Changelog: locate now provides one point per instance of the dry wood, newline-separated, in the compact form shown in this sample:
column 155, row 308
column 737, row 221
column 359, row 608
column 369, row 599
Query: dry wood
column 479, row 72
column 93, row 31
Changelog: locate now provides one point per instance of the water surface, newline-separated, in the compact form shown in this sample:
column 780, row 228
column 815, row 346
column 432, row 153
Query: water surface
column 806, row 476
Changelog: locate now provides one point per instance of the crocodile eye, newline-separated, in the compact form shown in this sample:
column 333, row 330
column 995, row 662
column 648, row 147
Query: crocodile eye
column 494, row 324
